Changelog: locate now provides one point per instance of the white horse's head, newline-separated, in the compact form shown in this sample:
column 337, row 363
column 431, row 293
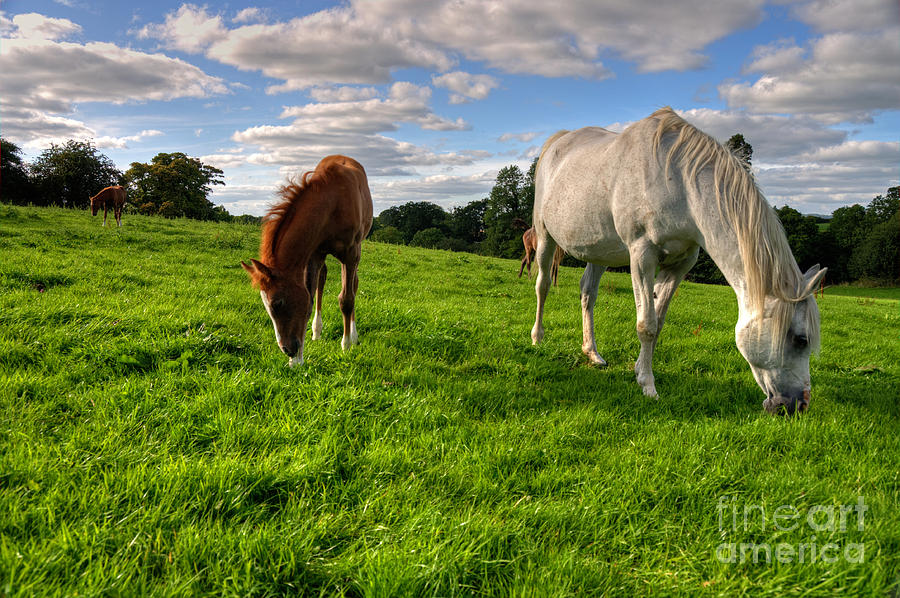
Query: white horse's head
column 777, row 345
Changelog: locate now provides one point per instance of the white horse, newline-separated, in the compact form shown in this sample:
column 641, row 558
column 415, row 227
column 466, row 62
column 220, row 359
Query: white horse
column 650, row 197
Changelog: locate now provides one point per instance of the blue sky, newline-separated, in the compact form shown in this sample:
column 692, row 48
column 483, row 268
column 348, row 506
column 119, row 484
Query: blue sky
column 435, row 97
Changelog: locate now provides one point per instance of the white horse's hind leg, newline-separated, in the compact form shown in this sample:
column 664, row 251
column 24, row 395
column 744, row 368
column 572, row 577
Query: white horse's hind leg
column 643, row 271
column 544, row 258
column 590, row 281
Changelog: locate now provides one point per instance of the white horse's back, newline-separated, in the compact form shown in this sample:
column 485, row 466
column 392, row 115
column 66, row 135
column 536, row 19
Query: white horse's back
column 592, row 196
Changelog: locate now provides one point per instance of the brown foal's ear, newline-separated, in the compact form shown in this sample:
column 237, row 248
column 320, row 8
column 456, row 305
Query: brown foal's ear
column 258, row 271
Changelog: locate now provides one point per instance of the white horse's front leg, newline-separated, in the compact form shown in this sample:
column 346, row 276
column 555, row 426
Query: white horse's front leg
column 544, row 258
column 590, row 281
column 643, row 271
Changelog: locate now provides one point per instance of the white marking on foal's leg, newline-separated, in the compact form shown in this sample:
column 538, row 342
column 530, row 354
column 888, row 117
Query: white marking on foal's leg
column 317, row 325
column 350, row 339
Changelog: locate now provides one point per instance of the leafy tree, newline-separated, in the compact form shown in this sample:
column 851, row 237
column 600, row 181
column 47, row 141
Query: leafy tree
column 803, row 236
column 15, row 185
column 740, row 148
column 430, row 238
column 175, row 185
column 511, row 197
column 883, row 207
column 466, row 223
column 68, row 175
column 412, row 217
column 388, row 234
column 878, row 256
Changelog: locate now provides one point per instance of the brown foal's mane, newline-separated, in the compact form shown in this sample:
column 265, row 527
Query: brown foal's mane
column 280, row 216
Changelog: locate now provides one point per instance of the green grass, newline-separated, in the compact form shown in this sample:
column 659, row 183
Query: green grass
column 152, row 441
column 861, row 292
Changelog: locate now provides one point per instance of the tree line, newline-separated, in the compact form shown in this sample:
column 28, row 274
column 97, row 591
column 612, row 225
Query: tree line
column 857, row 243
column 172, row 184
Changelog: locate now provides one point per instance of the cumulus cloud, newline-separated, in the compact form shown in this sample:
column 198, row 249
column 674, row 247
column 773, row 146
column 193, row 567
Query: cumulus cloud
column 466, row 86
column 37, row 26
column 122, row 142
column 821, row 188
column 774, row 137
column 435, row 188
column 342, row 93
column 250, row 15
column 840, row 77
column 841, row 15
column 879, row 154
column 368, row 40
column 521, row 137
column 44, row 78
column 356, row 128
column 189, row 29
column 406, row 102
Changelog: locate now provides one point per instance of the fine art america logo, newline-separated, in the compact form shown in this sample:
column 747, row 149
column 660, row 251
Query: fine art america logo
column 736, row 519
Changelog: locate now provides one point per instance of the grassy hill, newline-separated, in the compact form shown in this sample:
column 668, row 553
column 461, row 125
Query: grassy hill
column 152, row 441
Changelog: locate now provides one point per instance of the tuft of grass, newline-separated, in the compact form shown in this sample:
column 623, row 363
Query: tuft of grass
column 153, row 442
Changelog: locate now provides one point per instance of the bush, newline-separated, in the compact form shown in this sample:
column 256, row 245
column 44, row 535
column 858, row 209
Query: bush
column 388, row 234
column 429, row 238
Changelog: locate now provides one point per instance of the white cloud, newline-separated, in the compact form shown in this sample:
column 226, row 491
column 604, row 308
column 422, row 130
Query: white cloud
column 189, row 29
column 435, row 188
column 774, row 138
column 866, row 154
column 522, row 137
column 43, row 79
column 250, row 15
column 342, row 93
column 406, row 102
column 822, row 188
column 566, row 38
column 354, row 128
column 466, row 85
column 122, row 142
column 224, row 160
column 366, row 41
column 37, row 26
column 839, row 77
column 849, row 15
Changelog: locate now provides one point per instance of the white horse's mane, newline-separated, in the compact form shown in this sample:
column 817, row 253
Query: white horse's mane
column 769, row 265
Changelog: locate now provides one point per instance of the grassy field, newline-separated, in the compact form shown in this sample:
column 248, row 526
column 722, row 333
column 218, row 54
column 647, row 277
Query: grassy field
column 152, row 441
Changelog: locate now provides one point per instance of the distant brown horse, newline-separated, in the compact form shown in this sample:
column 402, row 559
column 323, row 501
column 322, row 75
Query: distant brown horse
column 111, row 196
column 329, row 211
column 530, row 243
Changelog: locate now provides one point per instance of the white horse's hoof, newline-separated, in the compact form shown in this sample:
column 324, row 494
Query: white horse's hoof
column 595, row 358
column 295, row 361
column 651, row 392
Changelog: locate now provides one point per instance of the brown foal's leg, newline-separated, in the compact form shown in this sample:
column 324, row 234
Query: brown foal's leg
column 320, row 288
column 347, row 299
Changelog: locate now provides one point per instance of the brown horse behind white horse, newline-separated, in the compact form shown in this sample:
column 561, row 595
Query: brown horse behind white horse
column 530, row 242
column 111, row 196
column 328, row 211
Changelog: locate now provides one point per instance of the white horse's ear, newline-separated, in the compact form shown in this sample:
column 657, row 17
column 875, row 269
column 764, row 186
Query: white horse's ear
column 812, row 280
